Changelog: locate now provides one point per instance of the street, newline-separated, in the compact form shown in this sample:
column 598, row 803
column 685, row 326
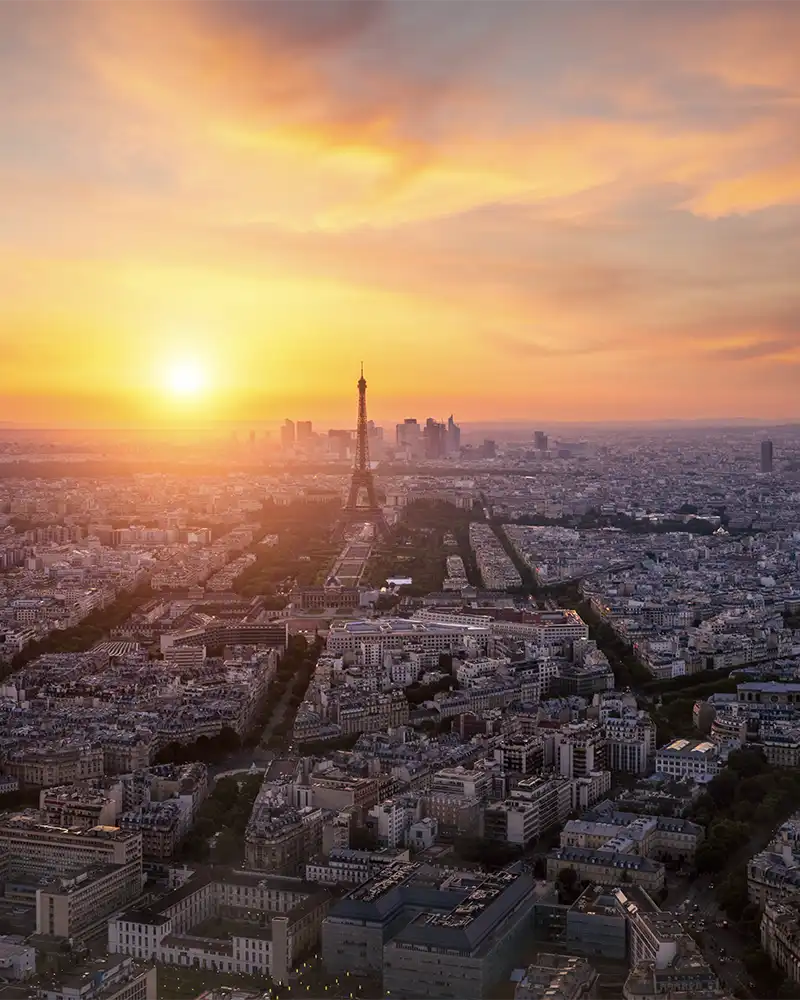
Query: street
column 258, row 755
column 694, row 904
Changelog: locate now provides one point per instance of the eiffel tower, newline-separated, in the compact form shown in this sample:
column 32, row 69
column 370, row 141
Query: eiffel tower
column 362, row 483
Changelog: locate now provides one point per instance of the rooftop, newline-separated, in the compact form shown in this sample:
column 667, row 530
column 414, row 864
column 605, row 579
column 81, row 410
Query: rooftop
column 608, row 859
column 688, row 746
column 553, row 977
column 397, row 626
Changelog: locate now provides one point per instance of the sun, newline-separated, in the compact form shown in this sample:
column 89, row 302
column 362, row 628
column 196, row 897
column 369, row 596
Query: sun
column 185, row 378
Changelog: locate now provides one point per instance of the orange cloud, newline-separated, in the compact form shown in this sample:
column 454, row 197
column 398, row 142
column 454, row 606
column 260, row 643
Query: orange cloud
column 481, row 190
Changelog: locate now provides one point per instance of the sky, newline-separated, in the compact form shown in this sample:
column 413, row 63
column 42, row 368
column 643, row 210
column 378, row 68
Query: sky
column 508, row 211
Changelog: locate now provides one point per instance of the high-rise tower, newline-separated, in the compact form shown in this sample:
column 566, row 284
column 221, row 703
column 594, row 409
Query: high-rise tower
column 766, row 456
column 362, row 484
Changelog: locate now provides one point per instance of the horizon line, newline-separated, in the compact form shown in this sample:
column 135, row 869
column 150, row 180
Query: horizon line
column 520, row 422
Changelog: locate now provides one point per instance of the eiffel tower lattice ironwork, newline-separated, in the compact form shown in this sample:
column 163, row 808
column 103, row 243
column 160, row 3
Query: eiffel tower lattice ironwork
column 362, row 483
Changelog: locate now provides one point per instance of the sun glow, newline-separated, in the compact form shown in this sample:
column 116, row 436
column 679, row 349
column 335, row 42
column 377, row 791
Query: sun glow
column 186, row 378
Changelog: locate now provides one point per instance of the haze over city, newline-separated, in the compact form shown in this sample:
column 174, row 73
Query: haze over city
column 399, row 491
column 574, row 211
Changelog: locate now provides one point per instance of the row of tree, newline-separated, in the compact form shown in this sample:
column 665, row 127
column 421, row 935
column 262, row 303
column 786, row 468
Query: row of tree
column 746, row 799
column 294, row 674
column 628, row 671
column 303, row 553
column 221, row 822
column 93, row 629
column 206, row 749
column 418, row 550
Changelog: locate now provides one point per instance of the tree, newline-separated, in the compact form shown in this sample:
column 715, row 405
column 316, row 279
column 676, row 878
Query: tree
column 228, row 740
column 732, row 894
column 490, row 853
column 226, row 792
column 758, row 965
column 227, row 849
column 747, row 762
column 723, row 788
column 710, row 857
column 362, row 839
column 567, row 878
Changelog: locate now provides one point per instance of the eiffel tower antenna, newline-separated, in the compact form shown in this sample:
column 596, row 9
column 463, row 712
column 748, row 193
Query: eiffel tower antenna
column 362, row 482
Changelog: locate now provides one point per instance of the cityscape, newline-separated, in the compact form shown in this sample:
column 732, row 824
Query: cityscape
column 399, row 501
column 511, row 721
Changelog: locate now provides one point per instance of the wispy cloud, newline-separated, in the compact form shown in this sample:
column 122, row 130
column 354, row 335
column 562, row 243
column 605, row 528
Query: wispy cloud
column 405, row 177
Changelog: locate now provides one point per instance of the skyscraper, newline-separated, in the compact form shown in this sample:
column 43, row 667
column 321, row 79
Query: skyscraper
column 408, row 434
column 435, row 435
column 339, row 442
column 287, row 435
column 304, row 431
column 766, row 456
column 540, row 441
column 453, row 442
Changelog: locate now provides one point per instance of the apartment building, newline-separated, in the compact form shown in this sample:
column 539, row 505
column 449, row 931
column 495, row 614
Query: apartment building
column 553, row 796
column 687, row 977
column 343, row 866
column 96, row 803
column 431, row 932
column 462, row 781
column 546, row 628
column 590, row 789
column 606, row 867
column 77, row 907
column 125, row 752
column 522, row 754
column 17, row 959
column 338, row 790
column 630, row 742
column 280, row 837
column 160, row 825
column 535, row 805
column 455, row 814
column 653, row 935
column 35, row 849
column 557, row 977
column 689, row 759
column 266, row 922
column 399, row 633
column 780, row 936
column 111, row 978
column 186, row 783
column 579, row 749
column 496, row 568
column 373, row 712
column 781, row 746
column 512, row 821
column 659, row 837
column 392, row 819
column 48, row 766
column 774, row 874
